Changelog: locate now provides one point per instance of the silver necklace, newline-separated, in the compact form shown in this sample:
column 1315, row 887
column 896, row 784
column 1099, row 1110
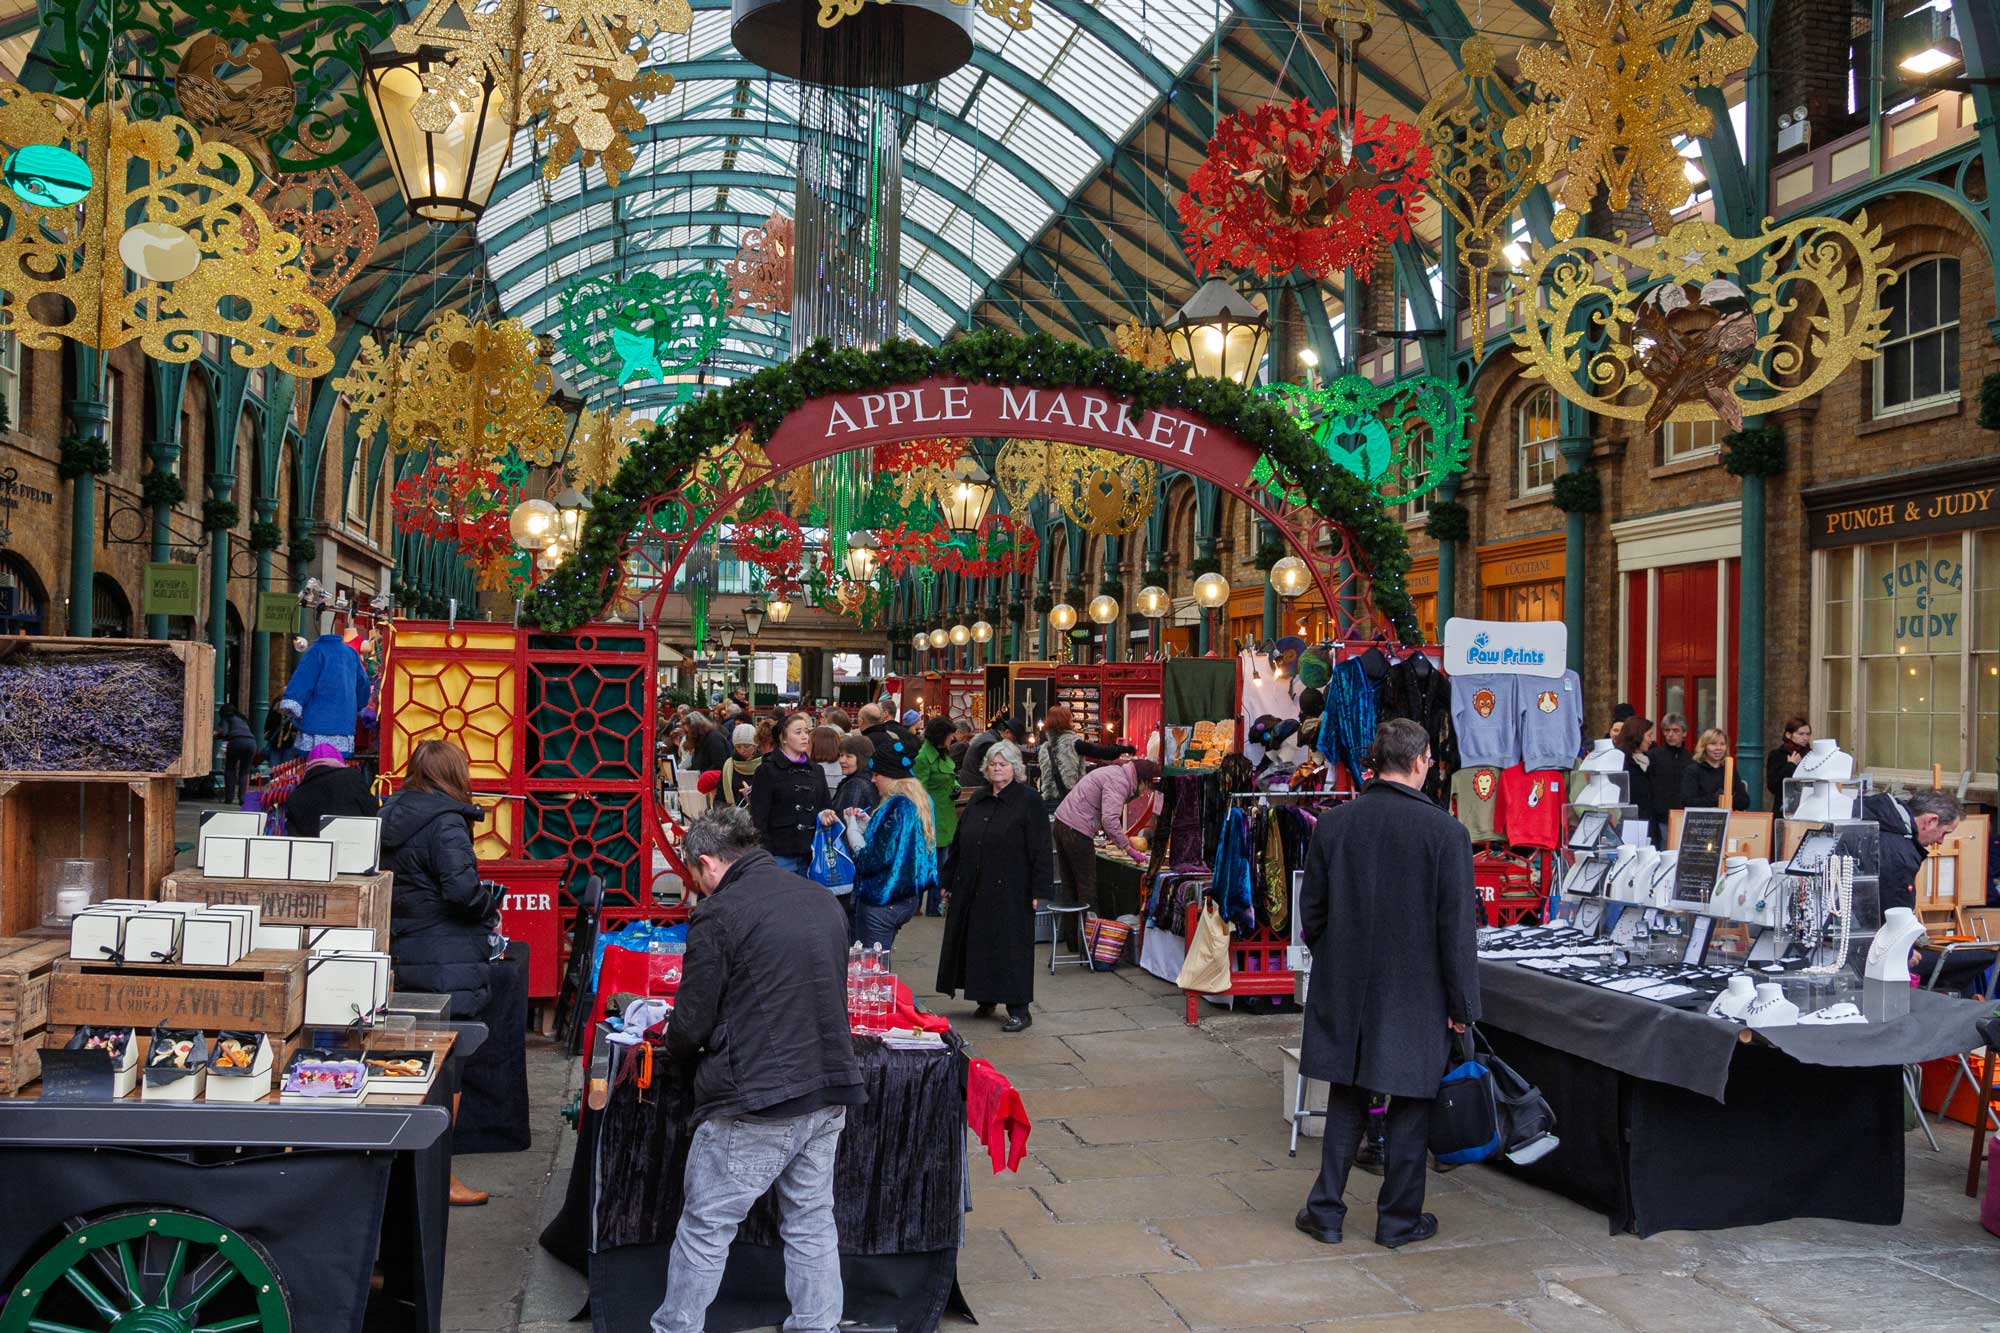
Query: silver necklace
column 1838, row 878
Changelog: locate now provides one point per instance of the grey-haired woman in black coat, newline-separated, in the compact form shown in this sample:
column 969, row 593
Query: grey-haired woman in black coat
column 1003, row 864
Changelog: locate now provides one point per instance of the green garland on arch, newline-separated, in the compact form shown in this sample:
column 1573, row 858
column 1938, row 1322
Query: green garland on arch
column 657, row 463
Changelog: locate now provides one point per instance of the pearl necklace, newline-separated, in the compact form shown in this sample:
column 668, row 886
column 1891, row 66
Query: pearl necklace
column 1838, row 880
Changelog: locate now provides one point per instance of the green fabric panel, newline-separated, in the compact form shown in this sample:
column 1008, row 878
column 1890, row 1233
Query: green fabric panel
column 1198, row 689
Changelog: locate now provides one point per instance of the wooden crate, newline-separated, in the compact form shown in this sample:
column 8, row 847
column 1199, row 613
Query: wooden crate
column 127, row 823
column 197, row 756
column 25, row 966
column 264, row 991
column 20, row 1063
column 347, row 900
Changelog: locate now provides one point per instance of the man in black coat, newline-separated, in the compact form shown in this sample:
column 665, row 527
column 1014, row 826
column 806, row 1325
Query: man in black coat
column 1666, row 761
column 762, row 1007
column 1910, row 827
column 1388, row 910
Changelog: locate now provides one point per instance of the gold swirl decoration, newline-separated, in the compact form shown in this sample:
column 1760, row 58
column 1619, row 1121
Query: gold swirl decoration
column 209, row 260
column 1151, row 348
column 1812, row 286
column 1475, row 176
column 1016, row 14
column 1103, row 491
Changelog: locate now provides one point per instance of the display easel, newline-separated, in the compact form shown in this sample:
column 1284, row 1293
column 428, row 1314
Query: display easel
column 1749, row 832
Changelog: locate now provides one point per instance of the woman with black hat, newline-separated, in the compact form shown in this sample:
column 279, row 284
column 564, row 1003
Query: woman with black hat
column 1003, row 864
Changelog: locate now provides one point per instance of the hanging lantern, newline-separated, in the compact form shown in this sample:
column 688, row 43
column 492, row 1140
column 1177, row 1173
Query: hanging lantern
column 938, row 638
column 446, row 175
column 1104, row 609
column 778, row 610
column 533, row 524
column 863, row 553
column 968, row 493
column 1154, row 602
column 1290, row 577
column 1220, row 333
column 1062, row 617
column 982, row 632
column 572, row 508
column 960, row 635
column 1211, row 591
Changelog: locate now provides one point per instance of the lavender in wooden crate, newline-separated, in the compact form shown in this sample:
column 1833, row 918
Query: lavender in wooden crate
column 114, row 711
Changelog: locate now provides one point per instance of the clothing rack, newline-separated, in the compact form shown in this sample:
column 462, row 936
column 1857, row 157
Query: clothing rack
column 1286, row 795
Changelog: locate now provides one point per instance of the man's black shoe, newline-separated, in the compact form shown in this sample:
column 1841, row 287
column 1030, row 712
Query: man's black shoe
column 1319, row 1233
column 1426, row 1227
column 1018, row 1023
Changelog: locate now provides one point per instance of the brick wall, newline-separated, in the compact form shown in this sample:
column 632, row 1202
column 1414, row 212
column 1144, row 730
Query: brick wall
column 1808, row 42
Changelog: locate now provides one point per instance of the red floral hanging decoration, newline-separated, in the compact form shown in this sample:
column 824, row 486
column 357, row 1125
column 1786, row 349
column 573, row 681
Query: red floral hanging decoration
column 1281, row 193
column 462, row 504
column 1002, row 545
column 902, row 548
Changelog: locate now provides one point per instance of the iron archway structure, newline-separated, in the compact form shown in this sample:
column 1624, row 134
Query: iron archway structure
column 687, row 475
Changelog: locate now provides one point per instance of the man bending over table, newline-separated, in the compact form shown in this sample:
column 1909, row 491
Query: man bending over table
column 762, row 1008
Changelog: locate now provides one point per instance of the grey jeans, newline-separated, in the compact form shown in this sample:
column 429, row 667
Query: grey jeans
column 730, row 1165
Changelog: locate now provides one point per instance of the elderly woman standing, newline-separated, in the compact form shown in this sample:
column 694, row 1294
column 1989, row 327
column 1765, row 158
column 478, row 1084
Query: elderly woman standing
column 1003, row 865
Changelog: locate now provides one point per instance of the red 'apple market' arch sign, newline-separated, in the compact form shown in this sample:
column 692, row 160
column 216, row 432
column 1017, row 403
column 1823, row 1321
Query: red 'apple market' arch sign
column 639, row 533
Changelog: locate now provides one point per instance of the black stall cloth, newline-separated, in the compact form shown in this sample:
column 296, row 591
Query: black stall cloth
column 899, row 1180
column 493, row 1114
column 1669, row 1120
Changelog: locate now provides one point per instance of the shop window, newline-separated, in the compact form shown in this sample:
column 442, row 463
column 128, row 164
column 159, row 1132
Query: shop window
column 357, row 487
column 1685, row 441
column 110, row 611
column 1918, row 364
column 114, row 399
column 10, row 379
column 1536, row 429
column 1414, row 447
column 22, row 600
column 1909, row 670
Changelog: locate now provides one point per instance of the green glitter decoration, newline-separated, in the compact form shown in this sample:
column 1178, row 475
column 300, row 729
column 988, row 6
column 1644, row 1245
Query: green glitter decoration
column 642, row 326
column 1364, row 429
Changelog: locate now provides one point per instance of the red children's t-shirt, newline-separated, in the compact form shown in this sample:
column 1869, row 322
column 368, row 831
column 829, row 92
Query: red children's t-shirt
column 1531, row 806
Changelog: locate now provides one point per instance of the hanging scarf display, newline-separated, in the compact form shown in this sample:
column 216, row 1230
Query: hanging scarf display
column 1233, row 889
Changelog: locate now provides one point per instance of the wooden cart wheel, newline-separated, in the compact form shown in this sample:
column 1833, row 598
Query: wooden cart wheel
column 154, row 1270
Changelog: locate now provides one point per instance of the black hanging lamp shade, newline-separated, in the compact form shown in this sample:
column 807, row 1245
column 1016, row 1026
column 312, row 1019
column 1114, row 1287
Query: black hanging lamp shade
column 446, row 175
column 881, row 45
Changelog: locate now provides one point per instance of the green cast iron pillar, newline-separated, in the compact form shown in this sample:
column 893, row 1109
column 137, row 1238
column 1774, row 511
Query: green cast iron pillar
column 1575, row 451
column 1448, row 565
column 260, row 640
column 222, row 485
column 88, row 415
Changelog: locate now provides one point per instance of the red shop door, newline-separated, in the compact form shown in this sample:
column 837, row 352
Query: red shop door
column 1686, row 620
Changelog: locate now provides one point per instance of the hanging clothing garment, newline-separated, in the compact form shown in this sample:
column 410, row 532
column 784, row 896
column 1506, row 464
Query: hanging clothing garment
column 1276, row 884
column 1417, row 689
column 1486, row 720
column 1234, row 891
column 1348, row 729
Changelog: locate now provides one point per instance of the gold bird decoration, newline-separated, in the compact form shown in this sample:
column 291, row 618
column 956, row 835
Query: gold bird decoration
column 245, row 113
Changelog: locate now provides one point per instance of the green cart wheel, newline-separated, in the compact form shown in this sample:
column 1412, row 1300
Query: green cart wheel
column 151, row 1270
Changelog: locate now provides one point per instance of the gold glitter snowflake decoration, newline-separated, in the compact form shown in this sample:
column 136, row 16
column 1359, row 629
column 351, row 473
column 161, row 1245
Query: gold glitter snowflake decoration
column 1151, row 348
column 603, row 438
column 469, row 390
column 1611, row 102
column 371, row 385
column 576, row 63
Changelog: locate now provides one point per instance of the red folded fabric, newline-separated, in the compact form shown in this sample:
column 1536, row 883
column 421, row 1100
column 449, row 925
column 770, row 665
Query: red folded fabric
column 994, row 1111
column 908, row 1017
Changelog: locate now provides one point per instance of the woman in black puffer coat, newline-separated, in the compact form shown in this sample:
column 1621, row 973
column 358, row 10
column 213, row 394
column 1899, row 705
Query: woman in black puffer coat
column 441, row 916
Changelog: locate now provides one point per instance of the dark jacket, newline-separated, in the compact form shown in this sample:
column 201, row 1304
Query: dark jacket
column 975, row 756
column 1778, row 765
column 327, row 791
column 1701, row 787
column 1393, row 953
column 1003, row 862
column 1416, row 688
column 1668, row 763
column 785, row 801
column 233, row 730
column 437, row 935
column 1900, row 855
column 763, row 996
column 713, row 752
column 855, row 792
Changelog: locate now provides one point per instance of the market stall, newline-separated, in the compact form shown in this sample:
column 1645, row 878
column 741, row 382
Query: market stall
column 1671, row 1119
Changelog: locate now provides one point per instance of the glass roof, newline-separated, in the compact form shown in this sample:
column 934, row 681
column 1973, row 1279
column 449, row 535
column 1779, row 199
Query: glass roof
column 992, row 153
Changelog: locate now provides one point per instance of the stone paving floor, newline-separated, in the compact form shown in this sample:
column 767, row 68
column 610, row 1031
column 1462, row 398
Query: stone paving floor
column 1157, row 1194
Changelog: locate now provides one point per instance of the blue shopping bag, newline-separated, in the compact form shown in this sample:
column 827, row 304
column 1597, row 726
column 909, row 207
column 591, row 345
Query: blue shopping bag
column 831, row 865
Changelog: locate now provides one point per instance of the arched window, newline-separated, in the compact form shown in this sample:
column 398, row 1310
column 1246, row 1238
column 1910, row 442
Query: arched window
column 1919, row 349
column 1536, row 426
column 110, row 610
column 22, row 600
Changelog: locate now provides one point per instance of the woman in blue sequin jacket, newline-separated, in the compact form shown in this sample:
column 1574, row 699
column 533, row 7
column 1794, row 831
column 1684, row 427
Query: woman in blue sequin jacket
column 895, row 860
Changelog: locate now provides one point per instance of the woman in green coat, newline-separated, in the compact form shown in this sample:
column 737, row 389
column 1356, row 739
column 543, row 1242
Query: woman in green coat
column 935, row 769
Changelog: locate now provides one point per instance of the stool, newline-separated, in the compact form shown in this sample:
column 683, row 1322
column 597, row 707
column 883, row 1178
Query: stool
column 1081, row 958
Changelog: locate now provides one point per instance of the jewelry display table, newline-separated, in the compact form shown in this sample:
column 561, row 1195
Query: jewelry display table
column 286, row 1210
column 899, row 1188
column 1674, row 1120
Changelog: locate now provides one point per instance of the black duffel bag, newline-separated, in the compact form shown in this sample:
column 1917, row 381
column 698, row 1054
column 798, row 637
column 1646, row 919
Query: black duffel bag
column 1483, row 1107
